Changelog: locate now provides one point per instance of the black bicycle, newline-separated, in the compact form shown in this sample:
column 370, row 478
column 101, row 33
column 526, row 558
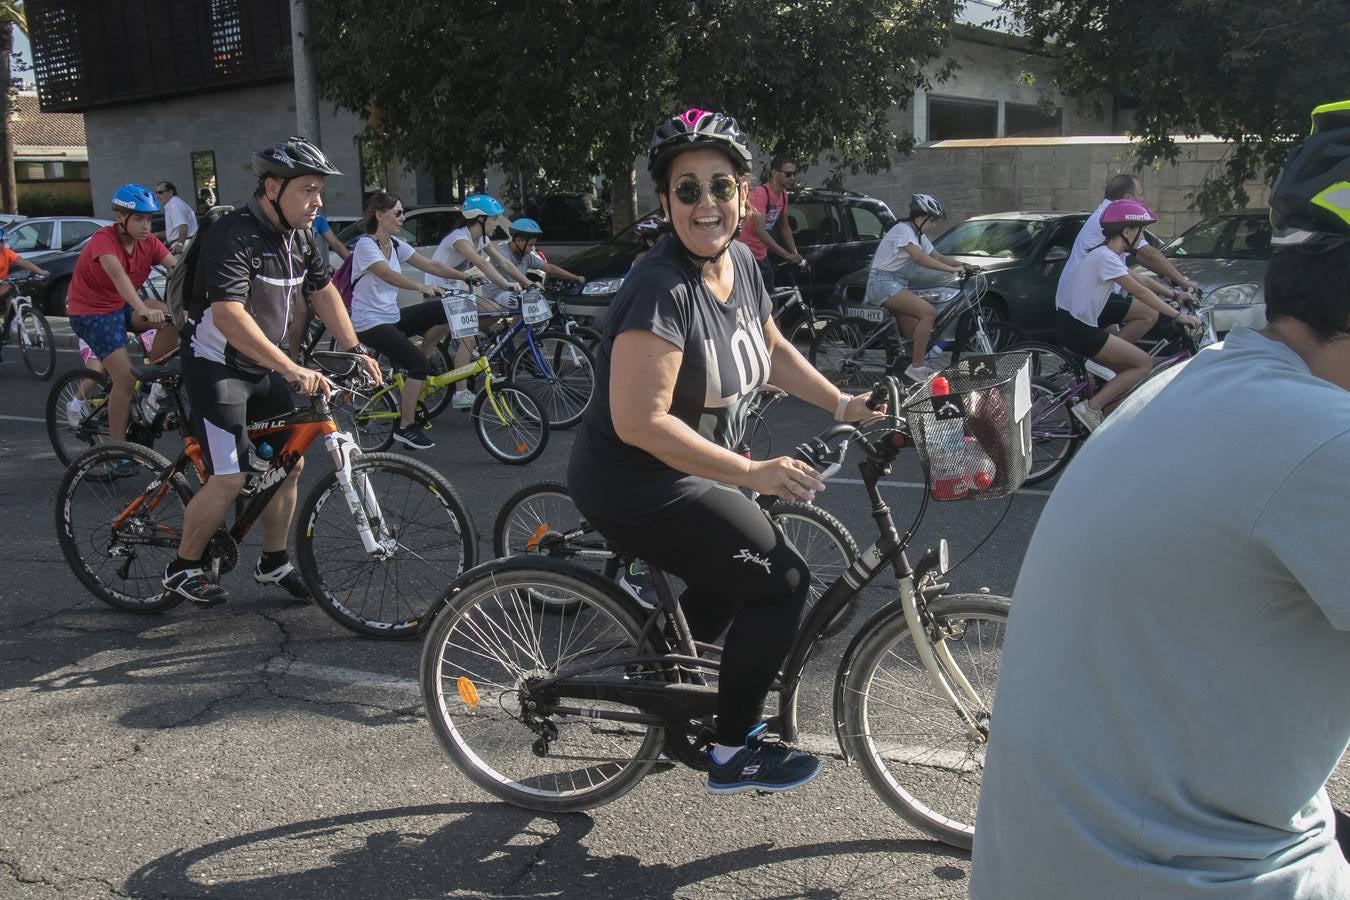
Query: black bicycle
column 568, row 710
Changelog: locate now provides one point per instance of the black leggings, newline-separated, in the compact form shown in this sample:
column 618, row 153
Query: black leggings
column 392, row 339
column 741, row 572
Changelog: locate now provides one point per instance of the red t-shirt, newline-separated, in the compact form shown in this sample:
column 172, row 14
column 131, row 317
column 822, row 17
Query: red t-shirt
column 770, row 207
column 92, row 292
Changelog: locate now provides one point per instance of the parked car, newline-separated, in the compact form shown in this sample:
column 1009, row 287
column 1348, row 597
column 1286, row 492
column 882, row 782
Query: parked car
column 835, row 231
column 1227, row 255
column 47, row 233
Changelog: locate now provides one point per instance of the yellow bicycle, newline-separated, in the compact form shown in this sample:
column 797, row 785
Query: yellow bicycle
column 509, row 420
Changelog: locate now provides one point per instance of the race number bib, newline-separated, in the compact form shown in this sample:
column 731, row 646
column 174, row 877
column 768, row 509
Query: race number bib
column 461, row 311
column 534, row 308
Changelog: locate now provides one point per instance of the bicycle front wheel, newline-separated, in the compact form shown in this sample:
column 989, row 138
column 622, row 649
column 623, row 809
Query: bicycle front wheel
column 489, row 643
column 425, row 540
column 914, row 750
column 510, row 423
column 1055, row 433
column 77, row 412
column 828, row 548
column 561, row 375
column 39, row 347
column 848, row 354
column 118, row 520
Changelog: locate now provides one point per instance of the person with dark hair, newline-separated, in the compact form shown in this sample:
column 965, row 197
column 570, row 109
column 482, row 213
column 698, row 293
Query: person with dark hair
column 380, row 322
column 180, row 222
column 766, row 229
column 898, row 256
column 1130, row 318
column 687, row 342
column 1171, row 695
column 251, row 265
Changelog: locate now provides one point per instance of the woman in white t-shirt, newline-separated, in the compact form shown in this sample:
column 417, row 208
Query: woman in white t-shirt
column 468, row 246
column 904, row 248
column 1078, row 314
column 377, row 274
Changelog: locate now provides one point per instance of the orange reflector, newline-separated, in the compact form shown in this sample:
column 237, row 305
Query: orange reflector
column 522, row 447
column 534, row 539
column 467, row 692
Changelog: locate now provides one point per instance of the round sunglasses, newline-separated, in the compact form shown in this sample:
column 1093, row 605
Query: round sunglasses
column 721, row 187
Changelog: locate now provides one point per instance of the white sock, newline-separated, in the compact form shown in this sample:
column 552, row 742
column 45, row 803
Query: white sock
column 721, row 753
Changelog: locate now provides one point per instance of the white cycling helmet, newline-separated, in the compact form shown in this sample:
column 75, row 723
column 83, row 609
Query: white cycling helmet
column 926, row 205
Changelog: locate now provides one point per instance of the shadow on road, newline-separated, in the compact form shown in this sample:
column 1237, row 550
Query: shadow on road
column 482, row 849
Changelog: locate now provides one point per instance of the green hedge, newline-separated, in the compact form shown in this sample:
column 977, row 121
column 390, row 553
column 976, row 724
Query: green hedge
column 52, row 205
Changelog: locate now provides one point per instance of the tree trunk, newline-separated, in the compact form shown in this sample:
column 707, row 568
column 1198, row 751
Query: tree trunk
column 9, row 200
column 622, row 190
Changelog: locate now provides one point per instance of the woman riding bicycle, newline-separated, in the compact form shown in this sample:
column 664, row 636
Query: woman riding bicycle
column 468, row 245
column 904, row 248
column 687, row 342
column 1079, row 325
column 379, row 322
column 102, row 300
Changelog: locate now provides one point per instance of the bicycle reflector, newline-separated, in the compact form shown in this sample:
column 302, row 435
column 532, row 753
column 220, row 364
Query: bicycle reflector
column 532, row 544
column 467, row 692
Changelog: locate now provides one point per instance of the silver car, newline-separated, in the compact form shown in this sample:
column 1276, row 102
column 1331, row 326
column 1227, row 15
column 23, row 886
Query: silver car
column 1226, row 255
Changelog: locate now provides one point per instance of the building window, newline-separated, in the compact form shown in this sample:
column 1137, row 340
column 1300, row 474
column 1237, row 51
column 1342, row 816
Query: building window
column 204, row 180
column 1023, row 120
column 32, row 171
column 955, row 118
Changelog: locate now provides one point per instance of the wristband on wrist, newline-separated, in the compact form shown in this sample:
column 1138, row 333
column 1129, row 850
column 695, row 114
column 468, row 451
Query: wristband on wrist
column 842, row 405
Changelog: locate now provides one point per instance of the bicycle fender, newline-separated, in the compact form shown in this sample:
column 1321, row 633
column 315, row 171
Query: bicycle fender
column 535, row 563
column 888, row 612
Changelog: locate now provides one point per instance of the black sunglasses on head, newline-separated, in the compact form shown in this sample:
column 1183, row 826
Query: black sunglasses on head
column 722, row 188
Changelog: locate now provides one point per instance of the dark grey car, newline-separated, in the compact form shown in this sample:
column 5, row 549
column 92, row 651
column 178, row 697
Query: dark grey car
column 1022, row 253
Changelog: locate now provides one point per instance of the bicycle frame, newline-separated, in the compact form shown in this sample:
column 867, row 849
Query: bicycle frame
column 956, row 316
column 300, row 429
column 674, row 705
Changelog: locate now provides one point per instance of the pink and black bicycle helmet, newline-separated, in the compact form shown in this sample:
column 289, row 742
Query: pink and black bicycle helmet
column 696, row 129
column 1122, row 214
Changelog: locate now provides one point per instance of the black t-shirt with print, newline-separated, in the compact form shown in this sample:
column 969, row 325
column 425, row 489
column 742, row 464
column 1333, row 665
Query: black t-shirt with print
column 725, row 362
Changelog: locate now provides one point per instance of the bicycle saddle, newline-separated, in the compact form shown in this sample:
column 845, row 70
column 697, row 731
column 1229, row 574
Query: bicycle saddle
column 168, row 376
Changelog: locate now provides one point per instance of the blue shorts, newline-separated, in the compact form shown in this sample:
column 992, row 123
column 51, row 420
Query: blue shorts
column 105, row 333
column 882, row 285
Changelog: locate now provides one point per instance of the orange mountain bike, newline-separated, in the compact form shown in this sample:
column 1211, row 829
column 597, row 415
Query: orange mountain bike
column 377, row 538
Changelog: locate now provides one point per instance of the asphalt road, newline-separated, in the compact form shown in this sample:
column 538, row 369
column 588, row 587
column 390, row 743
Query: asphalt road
column 259, row 750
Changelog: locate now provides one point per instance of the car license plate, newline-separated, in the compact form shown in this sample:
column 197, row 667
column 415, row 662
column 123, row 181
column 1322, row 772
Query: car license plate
column 867, row 313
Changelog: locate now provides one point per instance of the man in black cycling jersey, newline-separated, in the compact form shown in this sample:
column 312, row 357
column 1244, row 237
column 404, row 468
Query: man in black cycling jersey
column 687, row 342
column 252, row 263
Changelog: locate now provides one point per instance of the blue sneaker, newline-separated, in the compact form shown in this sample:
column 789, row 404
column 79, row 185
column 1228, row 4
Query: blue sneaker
column 761, row 766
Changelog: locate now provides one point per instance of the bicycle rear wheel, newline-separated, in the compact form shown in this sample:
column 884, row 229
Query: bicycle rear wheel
column 426, row 540
column 510, row 423
column 39, row 347
column 1055, row 433
column 562, row 377
column 912, row 747
column 77, row 412
column 828, row 548
column 118, row 521
column 489, row 643
column 842, row 357
column 805, row 335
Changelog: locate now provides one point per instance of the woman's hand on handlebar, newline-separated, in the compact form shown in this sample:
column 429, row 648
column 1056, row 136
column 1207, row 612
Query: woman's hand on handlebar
column 429, row 290
column 151, row 316
column 785, row 477
column 857, row 410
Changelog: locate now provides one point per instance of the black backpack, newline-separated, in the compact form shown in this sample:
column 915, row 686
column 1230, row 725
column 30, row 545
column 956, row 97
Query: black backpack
column 181, row 284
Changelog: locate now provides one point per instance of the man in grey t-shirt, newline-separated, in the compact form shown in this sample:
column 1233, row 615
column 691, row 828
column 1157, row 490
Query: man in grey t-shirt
column 1172, row 697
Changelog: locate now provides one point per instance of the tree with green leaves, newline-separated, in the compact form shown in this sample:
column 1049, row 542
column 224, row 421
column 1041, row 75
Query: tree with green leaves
column 1247, row 71
column 577, row 87
column 11, row 16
